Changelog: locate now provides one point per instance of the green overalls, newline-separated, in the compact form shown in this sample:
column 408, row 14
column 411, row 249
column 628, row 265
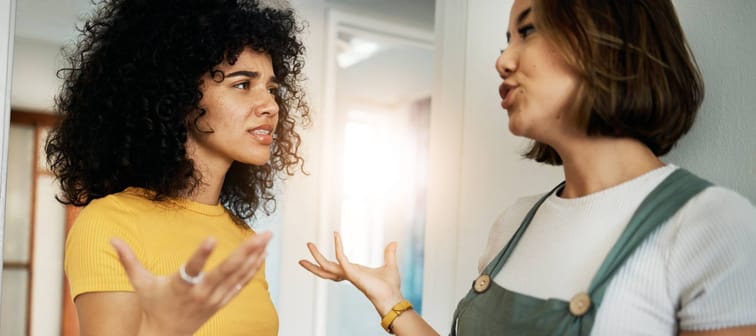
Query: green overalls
column 489, row 309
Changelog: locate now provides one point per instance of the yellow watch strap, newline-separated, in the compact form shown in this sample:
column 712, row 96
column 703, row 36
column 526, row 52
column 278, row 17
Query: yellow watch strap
column 395, row 311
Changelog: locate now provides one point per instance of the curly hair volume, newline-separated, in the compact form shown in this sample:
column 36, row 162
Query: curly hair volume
column 132, row 90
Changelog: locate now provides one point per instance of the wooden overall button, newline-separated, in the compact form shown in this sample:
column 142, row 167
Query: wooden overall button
column 580, row 304
column 482, row 283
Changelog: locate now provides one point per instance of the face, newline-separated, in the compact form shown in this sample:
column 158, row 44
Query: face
column 241, row 114
column 538, row 86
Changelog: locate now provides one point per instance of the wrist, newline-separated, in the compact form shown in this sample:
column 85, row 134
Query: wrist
column 383, row 306
column 393, row 313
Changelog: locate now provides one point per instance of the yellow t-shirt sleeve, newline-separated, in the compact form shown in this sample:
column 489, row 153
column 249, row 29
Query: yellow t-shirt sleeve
column 91, row 263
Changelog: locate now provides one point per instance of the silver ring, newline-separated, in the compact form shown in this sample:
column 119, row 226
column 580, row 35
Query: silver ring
column 192, row 280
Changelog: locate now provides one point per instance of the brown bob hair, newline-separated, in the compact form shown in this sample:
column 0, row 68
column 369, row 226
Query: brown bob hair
column 639, row 77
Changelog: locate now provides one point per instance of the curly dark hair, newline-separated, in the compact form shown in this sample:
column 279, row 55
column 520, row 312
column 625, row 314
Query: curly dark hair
column 133, row 88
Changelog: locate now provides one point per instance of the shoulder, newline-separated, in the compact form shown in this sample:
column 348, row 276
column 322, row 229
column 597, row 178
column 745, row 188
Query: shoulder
column 718, row 204
column 117, row 209
column 115, row 215
column 716, row 215
column 710, row 260
column 129, row 200
column 715, row 220
column 513, row 215
column 505, row 226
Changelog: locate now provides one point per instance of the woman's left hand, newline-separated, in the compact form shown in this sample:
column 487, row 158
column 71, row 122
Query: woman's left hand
column 381, row 285
column 180, row 304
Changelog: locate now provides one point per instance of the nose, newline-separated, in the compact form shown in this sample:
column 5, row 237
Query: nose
column 268, row 107
column 506, row 63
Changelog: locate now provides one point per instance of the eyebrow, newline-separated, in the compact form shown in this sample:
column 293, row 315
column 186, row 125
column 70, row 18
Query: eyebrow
column 250, row 74
column 523, row 15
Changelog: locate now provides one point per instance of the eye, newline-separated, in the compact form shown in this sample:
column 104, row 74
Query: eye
column 242, row 85
column 276, row 90
column 526, row 30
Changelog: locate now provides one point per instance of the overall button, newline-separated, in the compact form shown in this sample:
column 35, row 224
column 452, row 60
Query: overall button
column 580, row 304
column 482, row 283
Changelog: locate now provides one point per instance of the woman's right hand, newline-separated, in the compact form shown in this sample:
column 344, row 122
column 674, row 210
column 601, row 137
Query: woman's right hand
column 174, row 306
column 381, row 285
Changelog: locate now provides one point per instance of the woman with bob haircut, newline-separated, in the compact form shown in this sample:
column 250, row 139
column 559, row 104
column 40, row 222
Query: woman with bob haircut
column 177, row 116
column 627, row 244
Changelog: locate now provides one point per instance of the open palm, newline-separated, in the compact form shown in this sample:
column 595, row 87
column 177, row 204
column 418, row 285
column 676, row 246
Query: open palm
column 172, row 306
column 381, row 285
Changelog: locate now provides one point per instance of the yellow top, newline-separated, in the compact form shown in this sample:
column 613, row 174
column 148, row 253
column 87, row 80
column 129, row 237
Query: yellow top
column 163, row 235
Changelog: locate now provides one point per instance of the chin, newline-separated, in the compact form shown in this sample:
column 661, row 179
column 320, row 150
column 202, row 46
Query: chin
column 259, row 160
column 515, row 129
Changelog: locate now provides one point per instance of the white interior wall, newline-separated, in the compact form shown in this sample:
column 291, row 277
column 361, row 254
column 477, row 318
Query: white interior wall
column 7, row 19
column 47, row 282
column 34, row 74
column 722, row 146
column 445, row 152
column 299, row 212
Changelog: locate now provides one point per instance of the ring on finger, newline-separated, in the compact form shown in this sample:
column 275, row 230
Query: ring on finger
column 190, row 279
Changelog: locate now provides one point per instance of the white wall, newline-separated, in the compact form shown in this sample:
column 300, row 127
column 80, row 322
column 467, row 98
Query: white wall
column 7, row 19
column 34, row 79
column 299, row 211
column 722, row 145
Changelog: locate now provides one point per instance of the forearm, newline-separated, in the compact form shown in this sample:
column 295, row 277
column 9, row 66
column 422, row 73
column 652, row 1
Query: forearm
column 410, row 323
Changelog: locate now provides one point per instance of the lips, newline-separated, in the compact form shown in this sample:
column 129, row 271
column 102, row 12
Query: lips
column 507, row 93
column 263, row 134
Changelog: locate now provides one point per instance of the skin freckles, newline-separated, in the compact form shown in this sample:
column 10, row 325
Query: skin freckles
column 241, row 114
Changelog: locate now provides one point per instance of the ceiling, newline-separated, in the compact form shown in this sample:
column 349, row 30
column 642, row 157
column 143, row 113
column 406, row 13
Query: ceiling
column 53, row 20
column 417, row 13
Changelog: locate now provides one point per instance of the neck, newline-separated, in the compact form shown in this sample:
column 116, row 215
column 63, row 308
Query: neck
column 208, row 191
column 595, row 164
column 212, row 173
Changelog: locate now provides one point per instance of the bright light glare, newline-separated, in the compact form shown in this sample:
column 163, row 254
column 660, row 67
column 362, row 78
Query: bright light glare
column 377, row 160
column 357, row 50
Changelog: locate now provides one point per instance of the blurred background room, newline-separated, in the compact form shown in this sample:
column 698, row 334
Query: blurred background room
column 408, row 143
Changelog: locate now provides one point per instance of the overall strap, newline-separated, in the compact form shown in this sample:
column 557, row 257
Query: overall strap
column 658, row 207
column 498, row 261
column 493, row 268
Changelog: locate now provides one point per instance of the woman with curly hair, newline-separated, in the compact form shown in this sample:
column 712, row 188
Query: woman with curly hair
column 177, row 116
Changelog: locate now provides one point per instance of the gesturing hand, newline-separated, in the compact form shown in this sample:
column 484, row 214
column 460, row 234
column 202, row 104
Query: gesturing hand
column 381, row 285
column 174, row 306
